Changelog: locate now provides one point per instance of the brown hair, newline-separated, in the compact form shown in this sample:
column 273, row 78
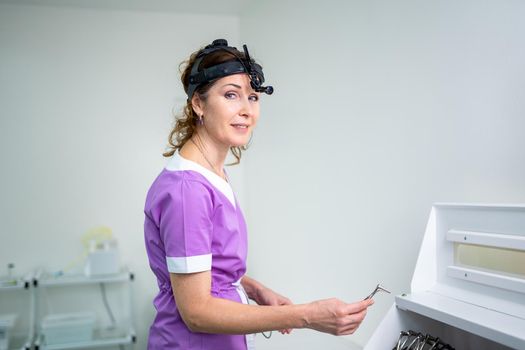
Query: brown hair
column 186, row 124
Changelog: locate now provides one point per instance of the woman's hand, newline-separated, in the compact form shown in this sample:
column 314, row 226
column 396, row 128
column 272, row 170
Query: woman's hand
column 266, row 296
column 336, row 317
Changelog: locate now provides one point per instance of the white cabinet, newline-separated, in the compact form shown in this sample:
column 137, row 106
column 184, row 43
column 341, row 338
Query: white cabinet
column 468, row 286
column 17, row 306
column 85, row 293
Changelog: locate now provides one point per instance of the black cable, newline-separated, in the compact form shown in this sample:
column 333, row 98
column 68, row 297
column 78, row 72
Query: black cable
column 267, row 336
column 106, row 304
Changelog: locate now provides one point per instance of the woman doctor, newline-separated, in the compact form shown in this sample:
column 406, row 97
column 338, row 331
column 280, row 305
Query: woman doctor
column 195, row 232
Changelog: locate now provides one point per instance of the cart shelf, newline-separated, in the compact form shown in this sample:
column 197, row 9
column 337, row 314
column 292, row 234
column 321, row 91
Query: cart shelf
column 101, row 338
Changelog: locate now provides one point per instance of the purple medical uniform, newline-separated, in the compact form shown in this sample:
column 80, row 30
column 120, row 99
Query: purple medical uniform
column 193, row 224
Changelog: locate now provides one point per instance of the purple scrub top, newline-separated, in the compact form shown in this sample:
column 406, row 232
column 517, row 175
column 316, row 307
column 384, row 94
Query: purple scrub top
column 193, row 224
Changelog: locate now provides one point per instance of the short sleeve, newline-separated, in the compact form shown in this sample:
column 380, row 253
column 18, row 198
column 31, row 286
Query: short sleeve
column 186, row 227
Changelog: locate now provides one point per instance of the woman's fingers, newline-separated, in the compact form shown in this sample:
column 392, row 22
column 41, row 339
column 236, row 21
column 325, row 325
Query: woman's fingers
column 285, row 301
column 267, row 296
column 285, row 331
column 351, row 323
column 336, row 317
column 359, row 306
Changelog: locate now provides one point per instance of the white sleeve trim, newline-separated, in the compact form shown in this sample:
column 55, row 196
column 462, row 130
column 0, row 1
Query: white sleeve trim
column 189, row 264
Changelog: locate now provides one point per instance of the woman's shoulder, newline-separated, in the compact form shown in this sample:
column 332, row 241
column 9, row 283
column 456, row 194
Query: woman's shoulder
column 182, row 180
column 179, row 191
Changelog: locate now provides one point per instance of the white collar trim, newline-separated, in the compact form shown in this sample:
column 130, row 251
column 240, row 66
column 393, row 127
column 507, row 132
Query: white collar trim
column 178, row 163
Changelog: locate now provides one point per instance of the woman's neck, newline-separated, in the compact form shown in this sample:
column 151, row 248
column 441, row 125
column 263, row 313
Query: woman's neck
column 206, row 153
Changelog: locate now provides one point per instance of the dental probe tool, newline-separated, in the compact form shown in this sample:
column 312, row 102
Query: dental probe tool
column 379, row 288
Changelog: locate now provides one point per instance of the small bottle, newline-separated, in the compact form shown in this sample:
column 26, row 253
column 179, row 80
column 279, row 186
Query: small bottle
column 10, row 268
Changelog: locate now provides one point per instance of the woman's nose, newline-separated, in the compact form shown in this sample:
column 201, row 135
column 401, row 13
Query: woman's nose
column 247, row 108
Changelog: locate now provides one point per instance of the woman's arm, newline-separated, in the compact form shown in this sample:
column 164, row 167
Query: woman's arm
column 263, row 295
column 204, row 313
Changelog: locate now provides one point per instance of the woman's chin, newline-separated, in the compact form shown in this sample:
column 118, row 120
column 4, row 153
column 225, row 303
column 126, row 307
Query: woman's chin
column 239, row 142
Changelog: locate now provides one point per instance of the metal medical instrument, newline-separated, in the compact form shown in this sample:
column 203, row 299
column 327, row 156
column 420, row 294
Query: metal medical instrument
column 379, row 288
column 411, row 340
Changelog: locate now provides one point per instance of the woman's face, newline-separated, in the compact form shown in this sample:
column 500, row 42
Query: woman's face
column 230, row 111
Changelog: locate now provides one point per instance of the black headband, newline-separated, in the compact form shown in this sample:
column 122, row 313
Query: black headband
column 234, row 66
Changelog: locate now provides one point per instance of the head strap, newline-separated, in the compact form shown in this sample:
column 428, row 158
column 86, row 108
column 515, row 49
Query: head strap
column 234, row 66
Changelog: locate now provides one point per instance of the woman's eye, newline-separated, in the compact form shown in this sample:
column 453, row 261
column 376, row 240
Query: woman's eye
column 254, row 98
column 230, row 95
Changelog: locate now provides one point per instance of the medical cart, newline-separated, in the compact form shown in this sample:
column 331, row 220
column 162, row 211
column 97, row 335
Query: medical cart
column 80, row 330
column 468, row 287
column 13, row 288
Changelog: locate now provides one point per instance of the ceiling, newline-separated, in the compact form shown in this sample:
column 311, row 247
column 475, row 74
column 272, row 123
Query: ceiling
column 223, row 7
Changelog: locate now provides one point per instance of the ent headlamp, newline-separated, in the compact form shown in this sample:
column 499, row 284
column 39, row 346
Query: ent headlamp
column 234, row 66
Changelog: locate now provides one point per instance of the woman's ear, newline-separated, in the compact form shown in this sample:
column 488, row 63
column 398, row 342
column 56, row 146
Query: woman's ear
column 197, row 104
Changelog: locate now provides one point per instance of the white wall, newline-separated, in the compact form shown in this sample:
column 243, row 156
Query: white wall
column 380, row 109
column 86, row 100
